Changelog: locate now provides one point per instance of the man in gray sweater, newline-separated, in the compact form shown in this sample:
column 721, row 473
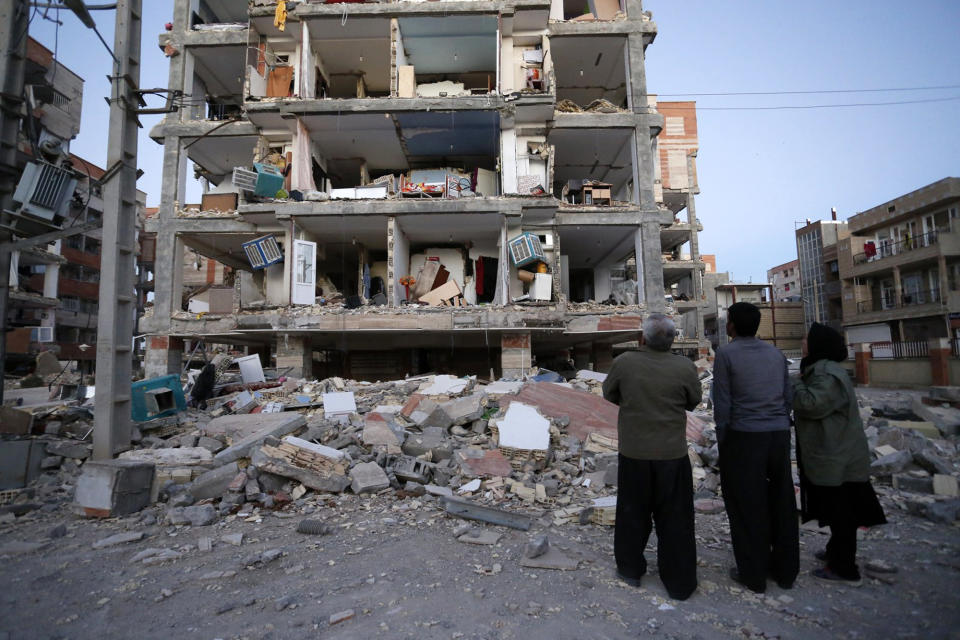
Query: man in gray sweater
column 751, row 406
column 654, row 388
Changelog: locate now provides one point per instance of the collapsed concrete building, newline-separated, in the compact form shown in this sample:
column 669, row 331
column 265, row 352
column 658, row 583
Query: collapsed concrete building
column 402, row 187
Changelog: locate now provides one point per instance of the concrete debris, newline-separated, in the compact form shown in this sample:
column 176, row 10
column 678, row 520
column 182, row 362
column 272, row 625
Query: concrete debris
column 114, row 487
column 176, row 457
column 551, row 559
column 480, row 536
column 15, row 421
column 235, row 539
column 215, row 482
column 67, row 449
column 120, row 538
column 368, row 477
column 338, row 404
column 537, row 546
column 249, row 431
column 516, row 454
column 892, row 463
column 445, row 385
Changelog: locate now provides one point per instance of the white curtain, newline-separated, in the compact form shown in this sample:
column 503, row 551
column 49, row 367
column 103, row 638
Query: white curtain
column 301, row 174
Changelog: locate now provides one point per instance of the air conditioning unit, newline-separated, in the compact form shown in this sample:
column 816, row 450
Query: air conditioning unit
column 525, row 249
column 44, row 191
column 263, row 252
column 265, row 180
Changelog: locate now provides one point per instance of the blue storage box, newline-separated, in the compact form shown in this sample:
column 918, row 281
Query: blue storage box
column 157, row 398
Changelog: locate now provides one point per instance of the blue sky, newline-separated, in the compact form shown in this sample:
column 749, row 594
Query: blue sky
column 760, row 171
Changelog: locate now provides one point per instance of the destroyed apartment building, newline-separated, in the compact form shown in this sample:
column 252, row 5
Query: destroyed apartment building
column 394, row 188
column 54, row 286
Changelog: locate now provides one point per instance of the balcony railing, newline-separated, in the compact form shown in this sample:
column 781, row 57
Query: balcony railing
column 913, row 298
column 897, row 248
column 899, row 350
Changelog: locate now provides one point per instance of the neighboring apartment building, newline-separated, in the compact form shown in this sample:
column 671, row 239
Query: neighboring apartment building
column 55, row 288
column 785, row 279
column 901, row 267
column 501, row 155
column 819, row 271
column 683, row 266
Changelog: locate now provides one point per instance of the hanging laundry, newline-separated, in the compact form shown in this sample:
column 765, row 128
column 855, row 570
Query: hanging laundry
column 869, row 249
column 280, row 17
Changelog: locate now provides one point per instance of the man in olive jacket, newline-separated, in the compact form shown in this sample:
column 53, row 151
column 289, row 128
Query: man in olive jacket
column 654, row 389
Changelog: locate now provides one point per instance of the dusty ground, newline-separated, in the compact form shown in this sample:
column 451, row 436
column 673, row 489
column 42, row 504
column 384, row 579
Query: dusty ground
column 395, row 562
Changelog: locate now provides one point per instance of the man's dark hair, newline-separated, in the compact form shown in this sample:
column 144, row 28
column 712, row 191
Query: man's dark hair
column 745, row 318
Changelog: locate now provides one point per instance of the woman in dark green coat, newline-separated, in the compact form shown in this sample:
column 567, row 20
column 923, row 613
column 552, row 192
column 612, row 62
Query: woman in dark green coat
column 832, row 453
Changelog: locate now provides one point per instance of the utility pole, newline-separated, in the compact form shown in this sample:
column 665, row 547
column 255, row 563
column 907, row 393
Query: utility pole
column 14, row 22
column 118, row 252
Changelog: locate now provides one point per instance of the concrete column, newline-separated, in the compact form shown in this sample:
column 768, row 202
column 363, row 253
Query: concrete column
column 636, row 74
column 939, row 349
column 897, row 291
column 942, row 278
column 862, row 355
column 652, row 267
column 697, row 276
column 164, row 355
column 515, row 356
column 602, row 354
column 296, row 353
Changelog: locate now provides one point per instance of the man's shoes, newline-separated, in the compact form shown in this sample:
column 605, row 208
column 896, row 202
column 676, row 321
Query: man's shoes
column 827, row 574
column 783, row 584
column 735, row 576
column 821, row 555
column 633, row 582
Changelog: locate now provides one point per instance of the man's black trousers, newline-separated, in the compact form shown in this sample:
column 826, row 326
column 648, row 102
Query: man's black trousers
column 657, row 492
column 761, row 506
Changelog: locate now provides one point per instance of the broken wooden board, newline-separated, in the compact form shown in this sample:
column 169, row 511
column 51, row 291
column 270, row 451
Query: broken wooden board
column 446, row 291
column 425, row 279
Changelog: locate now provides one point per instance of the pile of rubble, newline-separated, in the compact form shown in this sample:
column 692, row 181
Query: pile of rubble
column 503, row 452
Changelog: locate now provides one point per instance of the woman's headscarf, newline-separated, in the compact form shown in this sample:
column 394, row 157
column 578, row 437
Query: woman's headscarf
column 823, row 343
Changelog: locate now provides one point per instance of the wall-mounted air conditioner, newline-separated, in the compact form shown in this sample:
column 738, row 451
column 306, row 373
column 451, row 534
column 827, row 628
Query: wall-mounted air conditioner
column 44, row 191
column 525, row 249
column 263, row 252
column 265, row 180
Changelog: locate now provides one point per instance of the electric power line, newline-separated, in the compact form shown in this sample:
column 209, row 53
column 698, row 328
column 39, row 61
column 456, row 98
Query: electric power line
column 827, row 106
column 820, row 91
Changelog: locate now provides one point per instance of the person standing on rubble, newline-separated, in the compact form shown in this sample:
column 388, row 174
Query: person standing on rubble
column 654, row 389
column 751, row 408
column 832, row 454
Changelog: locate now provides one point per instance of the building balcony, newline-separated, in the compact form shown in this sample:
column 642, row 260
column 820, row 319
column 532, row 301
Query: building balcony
column 676, row 270
column 676, row 235
column 924, row 248
column 915, row 304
